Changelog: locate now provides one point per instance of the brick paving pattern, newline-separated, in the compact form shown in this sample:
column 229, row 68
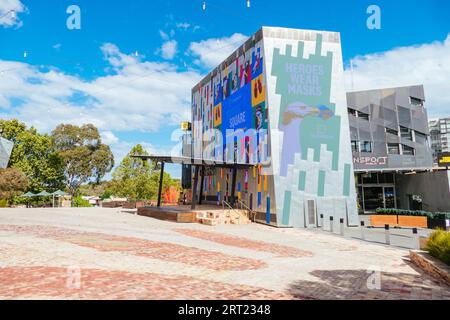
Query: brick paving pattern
column 123, row 256
column 145, row 248
column 278, row 250
column 51, row 282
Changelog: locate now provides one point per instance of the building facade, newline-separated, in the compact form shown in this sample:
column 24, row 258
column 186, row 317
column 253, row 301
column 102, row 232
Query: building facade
column 277, row 107
column 392, row 157
column 440, row 136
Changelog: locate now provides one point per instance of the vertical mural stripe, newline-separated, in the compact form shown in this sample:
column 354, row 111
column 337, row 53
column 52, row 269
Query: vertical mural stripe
column 347, row 173
column 286, row 207
column 321, row 184
column 302, row 181
column 268, row 210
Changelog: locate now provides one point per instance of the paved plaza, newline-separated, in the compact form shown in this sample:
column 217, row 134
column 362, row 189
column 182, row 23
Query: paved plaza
column 99, row 253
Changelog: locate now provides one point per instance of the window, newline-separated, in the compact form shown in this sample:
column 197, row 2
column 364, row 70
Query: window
column 416, row 101
column 355, row 146
column 366, row 146
column 351, row 111
column 393, row 148
column 363, row 115
column 392, row 131
column 420, row 137
column 406, row 133
column 408, row 151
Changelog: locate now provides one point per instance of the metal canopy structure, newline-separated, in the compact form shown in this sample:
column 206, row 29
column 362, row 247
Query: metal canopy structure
column 197, row 163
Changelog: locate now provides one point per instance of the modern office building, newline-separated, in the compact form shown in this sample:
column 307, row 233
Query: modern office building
column 392, row 158
column 6, row 147
column 270, row 130
column 440, row 136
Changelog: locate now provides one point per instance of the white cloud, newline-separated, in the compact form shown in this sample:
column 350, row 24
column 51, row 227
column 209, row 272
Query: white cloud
column 183, row 25
column 427, row 64
column 163, row 35
column 209, row 53
column 169, row 49
column 9, row 10
column 108, row 137
column 135, row 95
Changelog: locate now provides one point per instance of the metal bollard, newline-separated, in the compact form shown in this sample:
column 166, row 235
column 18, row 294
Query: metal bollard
column 341, row 221
column 387, row 234
column 363, row 237
column 331, row 224
column 321, row 220
column 416, row 239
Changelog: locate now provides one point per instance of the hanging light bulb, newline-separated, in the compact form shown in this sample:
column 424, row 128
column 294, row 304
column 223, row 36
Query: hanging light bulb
column 25, row 54
column 136, row 53
column 248, row 3
column 204, row 5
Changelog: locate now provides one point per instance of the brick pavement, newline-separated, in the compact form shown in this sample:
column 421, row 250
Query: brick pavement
column 278, row 250
column 122, row 256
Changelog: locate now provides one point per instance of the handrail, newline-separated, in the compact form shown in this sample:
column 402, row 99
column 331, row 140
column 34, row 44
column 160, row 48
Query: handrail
column 246, row 207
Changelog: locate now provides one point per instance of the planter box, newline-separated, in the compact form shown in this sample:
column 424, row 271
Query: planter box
column 412, row 221
column 379, row 220
column 438, row 223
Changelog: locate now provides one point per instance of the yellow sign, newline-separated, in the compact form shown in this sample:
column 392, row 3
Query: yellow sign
column 444, row 159
column 258, row 91
column 185, row 126
column 217, row 115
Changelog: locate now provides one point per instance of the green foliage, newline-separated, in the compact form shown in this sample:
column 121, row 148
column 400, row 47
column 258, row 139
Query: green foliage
column 93, row 188
column 78, row 201
column 34, row 154
column 137, row 179
column 417, row 213
column 84, row 155
column 3, row 203
column 438, row 245
column 12, row 183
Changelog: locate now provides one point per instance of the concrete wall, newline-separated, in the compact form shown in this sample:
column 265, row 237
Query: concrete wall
column 434, row 187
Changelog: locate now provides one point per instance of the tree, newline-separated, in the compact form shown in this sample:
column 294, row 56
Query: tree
column 137, row 179
column 12, row 182
column 84, row 155
column 34, row 154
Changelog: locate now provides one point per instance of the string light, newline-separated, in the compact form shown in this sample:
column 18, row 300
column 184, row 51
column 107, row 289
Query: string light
column 248, row 3
column 25, row 54
column 204, row 5
column 136, row 54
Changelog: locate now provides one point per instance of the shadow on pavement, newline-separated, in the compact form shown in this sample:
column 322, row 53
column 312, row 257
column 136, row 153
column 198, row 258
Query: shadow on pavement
column 368, row 285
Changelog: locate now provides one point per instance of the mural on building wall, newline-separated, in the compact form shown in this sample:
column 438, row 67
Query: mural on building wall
column 309, row 164
column 234, row 99
column 307, row 121
column 307, row 117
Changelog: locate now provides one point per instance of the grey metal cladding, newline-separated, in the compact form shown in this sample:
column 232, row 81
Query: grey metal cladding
column 390, row 108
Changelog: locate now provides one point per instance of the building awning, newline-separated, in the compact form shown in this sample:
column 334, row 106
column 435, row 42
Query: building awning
column 194, row 161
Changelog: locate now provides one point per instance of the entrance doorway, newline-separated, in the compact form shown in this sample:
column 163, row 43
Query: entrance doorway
column 375, row 190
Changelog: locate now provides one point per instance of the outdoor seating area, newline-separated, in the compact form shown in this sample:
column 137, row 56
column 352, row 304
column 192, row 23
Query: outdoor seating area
column 45, row 199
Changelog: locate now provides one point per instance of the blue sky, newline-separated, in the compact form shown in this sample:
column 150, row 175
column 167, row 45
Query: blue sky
column 94, row 75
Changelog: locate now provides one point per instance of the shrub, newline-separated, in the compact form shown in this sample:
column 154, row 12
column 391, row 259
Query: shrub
column 417, row 213
column 3, row 203
column 438, row 245
column 78, row 201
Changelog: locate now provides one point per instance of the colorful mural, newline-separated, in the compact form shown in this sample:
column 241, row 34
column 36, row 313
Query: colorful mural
column 279, row 105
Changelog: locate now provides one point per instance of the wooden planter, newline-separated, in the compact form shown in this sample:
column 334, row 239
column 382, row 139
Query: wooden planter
column 379, row 220
column 412, row 221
